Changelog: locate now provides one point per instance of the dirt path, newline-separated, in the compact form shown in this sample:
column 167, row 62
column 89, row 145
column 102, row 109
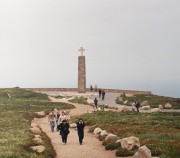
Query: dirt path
column 91, row 147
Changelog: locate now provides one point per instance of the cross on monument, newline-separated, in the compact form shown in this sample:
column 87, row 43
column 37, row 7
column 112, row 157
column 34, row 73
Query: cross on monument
column 81, row 50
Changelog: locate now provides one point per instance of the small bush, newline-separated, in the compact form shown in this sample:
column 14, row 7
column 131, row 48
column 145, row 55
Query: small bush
column 112, row 146
column 124, row 152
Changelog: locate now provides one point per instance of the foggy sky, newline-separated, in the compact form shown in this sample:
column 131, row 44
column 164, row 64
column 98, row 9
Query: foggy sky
column 130, row 44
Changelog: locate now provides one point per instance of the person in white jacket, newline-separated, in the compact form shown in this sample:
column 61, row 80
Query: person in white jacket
column 61, row 117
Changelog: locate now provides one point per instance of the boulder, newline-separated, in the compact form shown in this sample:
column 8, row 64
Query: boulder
column 123, row 109
column 111, row 137
column 130, row 142
column 92, row 128
column 104, row 133
column 38, row 136
column 126, row 102
column 38, row 140
column 147, row 107
column 38, row 149
column 156, row 110
column 118, row 141
column 143, row 152
column 41, row 114
column 144, row 103
column 168, row 106
column 35, row 125
column 73, row 125
column 36, row 130
column 161, row 107
column 97, row 130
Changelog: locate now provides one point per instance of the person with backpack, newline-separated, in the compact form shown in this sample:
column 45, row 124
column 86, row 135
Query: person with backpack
column 64, row 130
column 80, row 129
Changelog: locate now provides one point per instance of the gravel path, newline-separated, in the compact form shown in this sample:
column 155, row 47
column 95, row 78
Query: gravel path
column 91, row 148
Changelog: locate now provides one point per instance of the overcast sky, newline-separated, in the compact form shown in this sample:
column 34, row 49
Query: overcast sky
column 130, row 44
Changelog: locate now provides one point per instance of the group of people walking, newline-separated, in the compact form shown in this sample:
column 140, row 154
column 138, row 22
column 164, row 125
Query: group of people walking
column 101, row 94
column 135, row 106
column 61, row 121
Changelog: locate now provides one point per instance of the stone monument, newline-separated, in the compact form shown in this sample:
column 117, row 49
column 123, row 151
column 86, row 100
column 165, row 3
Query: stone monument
column 81, row 72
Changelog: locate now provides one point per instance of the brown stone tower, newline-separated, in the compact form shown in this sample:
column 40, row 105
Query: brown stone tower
column 81, row 72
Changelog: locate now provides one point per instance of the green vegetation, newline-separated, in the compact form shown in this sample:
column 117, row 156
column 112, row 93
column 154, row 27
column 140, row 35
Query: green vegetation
column 79, row 100
column 61, row 97
column 153, row 100
column 17, row 108
column 160, row 132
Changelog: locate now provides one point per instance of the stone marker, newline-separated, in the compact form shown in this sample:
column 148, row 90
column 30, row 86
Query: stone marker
column 81, row 72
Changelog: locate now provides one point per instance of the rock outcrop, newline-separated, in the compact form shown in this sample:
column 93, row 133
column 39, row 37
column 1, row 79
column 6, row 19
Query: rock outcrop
column 97, row 130
column 38, row 149
column 130, row 142
column 143, row 152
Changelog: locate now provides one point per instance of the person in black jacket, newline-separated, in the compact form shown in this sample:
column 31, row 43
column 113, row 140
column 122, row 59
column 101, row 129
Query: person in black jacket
column 80, row 129
column 64, row 130
column 137, row 105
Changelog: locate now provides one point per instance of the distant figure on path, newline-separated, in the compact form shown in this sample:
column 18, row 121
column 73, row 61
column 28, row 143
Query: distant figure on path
column 95, row 102
column 103, row 94
column 64, row 130
column 52, row 120
column 91, row 88
column 137, row 105
column 100, row 92
column 95, row 88
column 80, row 129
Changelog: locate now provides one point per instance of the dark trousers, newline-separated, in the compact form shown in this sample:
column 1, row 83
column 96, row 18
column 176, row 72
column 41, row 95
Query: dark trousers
column 137, row 109
column 64, row 138
column 81, row 136
column 102, row 97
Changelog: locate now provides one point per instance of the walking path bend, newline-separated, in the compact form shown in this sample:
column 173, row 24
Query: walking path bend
column 91, row 148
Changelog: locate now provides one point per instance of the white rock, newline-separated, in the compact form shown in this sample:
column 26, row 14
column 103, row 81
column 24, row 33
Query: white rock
column 161, row 107
column 130, row 142
column 38, row 140
column 168, row 106
column 36, row 130
column 143, row 152
column 144, row 103
column 73, row 125
column 156, row 110
column 97, row 130
column 147, row 107
column 38, row 149
column 41, row 113
column 118, row 141
column 123, row 109
column 104, row 133
column 126, row 102
column 111, row 137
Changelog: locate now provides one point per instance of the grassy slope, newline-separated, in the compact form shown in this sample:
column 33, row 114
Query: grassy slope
column 159, row 131
column 79, row 100
column 15, row 117
column 153, row 100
